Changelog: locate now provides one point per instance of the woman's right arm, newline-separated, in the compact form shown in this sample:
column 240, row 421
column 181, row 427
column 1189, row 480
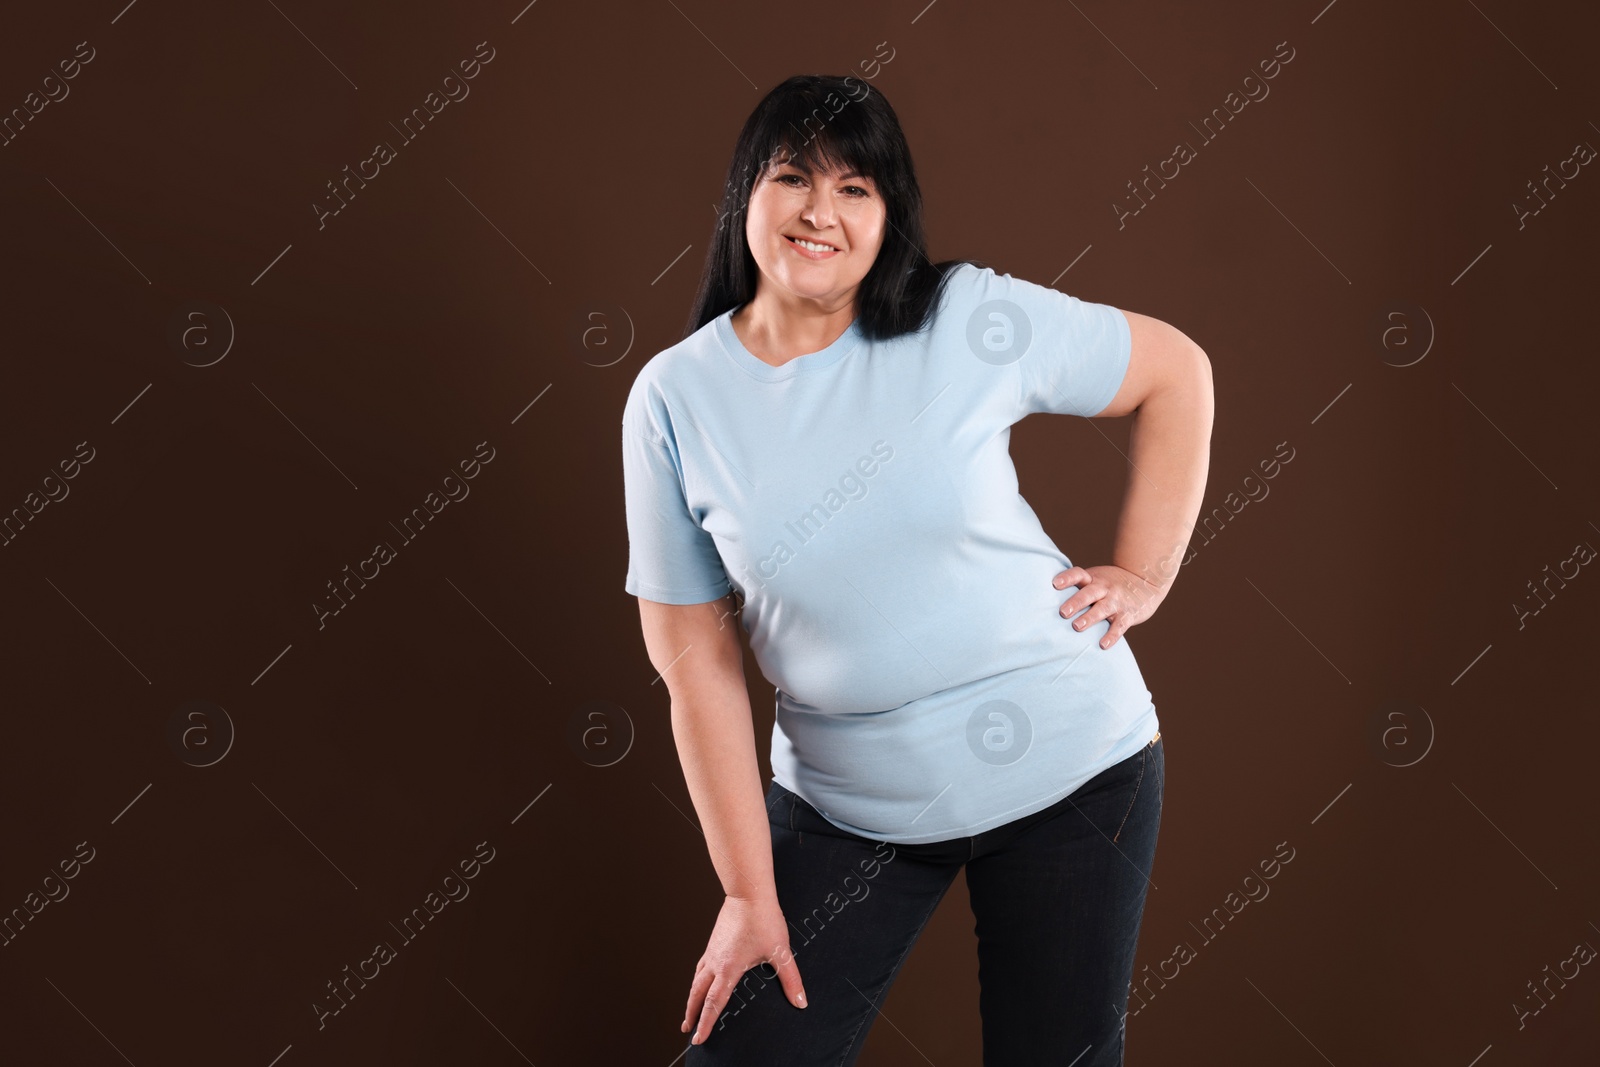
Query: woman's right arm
column 695, row 648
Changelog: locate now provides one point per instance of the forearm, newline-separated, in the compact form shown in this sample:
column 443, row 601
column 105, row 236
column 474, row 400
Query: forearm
column 1169, row 454
column 716, row 746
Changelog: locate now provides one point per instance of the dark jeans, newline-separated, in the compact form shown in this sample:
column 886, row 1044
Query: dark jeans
column 1058, row 896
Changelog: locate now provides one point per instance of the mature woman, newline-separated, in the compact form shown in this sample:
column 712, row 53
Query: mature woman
column 823, row 462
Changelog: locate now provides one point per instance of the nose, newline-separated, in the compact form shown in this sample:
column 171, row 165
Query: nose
column 819, row 209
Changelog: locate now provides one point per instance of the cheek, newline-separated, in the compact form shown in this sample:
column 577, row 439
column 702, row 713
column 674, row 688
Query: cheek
column 756, row 229
column 871, row 231
column 763, row 221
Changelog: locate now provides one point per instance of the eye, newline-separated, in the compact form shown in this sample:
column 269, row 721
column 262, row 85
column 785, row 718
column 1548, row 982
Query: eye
column 855, row 192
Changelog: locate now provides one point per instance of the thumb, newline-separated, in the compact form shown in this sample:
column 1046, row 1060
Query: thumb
column 789, row 977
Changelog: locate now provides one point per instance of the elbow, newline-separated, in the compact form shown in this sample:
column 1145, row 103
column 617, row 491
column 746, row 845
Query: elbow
column 1202, row 370
column 1184, row 389
column 1191, row 367
column 1191, row 353
column 1201, row 393
column 1185, row 378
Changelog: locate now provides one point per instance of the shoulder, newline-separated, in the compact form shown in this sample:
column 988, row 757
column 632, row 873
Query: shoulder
column 957, row 291
column 976, row 291
column 680, row 369
column 962, row 282
column 972, row 284
column 980, row 297
column 970, row 297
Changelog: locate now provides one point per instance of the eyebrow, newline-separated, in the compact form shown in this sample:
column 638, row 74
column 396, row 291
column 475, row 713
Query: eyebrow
column 804, row 168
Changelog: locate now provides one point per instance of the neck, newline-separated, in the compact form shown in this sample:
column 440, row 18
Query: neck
column 777, row 329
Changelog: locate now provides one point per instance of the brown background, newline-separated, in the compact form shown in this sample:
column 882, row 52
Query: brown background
column 372, row 754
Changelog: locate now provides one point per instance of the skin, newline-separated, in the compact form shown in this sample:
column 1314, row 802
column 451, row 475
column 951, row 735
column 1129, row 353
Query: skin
column 802, row 306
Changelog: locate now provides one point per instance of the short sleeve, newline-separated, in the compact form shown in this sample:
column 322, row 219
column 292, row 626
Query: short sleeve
column 671, row 559
column 1074, row 353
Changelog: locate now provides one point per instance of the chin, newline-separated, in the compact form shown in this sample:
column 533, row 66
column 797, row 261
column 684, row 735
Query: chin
column 812, row 289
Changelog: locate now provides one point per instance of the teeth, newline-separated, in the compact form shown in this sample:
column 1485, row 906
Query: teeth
column 813, row 246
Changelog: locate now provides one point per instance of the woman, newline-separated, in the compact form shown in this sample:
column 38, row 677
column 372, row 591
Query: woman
column 823, row 462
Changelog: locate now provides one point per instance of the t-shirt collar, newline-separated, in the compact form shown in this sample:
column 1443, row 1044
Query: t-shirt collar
column 842, row 346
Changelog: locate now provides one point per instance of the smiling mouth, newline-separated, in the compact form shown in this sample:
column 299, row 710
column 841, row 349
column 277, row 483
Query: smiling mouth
column 812, row 246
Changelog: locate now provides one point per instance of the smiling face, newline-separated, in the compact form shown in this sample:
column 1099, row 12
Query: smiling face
column 814, row 234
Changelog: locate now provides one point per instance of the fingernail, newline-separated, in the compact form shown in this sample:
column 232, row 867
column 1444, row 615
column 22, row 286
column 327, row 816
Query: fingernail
column 802, row 999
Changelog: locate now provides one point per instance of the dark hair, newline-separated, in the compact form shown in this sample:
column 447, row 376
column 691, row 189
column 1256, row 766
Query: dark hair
column 843, row 123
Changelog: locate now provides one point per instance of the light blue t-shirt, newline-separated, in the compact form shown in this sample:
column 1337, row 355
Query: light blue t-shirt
column 897, row 587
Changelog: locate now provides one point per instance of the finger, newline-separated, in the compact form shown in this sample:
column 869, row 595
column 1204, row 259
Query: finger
column 1083, row 598
column 716, row 996
column 789, row 977
column 697, row 991
column 1097, row 611
column 1072, row 576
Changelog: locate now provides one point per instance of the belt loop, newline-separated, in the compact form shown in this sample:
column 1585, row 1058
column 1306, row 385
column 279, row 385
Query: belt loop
column 793, row 799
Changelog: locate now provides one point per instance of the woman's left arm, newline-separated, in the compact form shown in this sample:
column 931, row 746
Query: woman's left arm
column 1167, row 388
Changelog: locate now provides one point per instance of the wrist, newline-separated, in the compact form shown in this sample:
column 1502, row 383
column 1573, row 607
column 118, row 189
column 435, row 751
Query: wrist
column 765, row 895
